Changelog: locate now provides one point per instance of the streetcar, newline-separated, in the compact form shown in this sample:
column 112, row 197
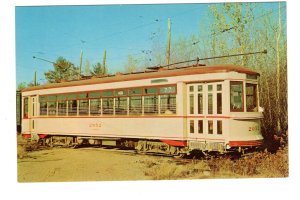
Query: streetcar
column 165, row 110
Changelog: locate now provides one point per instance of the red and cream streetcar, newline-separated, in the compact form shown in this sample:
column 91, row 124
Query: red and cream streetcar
column 166, row 110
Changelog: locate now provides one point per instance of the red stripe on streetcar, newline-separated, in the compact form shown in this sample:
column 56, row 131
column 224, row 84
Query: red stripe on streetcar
column 26, row 136
column 176, row 143
column 249, row 143
column 42, row 135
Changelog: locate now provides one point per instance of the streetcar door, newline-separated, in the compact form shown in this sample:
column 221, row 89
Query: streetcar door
column 196, row 111
column 204, row 111
column 32, row 113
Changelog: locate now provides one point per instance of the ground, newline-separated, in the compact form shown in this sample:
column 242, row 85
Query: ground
column 82, row 164
column 39, row 164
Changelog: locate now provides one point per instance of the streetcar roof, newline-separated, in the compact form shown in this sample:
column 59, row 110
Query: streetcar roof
column 160, row 73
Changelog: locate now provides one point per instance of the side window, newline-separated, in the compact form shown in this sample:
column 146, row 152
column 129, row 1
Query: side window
column 200, row 98
column 150, row 101
column 219, row 99
column 121, row 106
column 167, row 99
column 72, row 107
column 219, row 127
column 83, row 106
column 25, row 109
column 192, row 128
column 150, row 105
column 72, row 104
column 210, row 99
column 200, row 126
column 108, row 106
column 168, row 89
column 191, row 100
column 52, row 105
column 210, row 125
column 236, row 96
column 62, row 104
column 168, row 104
column 95, row 107
column 95, row 103
column 107, row 103
column 191, row 110
column 135, row 105
column 43, row 105
column 120, row 102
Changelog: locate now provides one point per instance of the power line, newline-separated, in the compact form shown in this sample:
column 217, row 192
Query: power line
column 181, row 13
column 156, row 20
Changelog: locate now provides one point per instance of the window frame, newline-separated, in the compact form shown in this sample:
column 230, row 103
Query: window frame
column 151, row 109
column 26, row 108
column 242, row 95
column 255, row 95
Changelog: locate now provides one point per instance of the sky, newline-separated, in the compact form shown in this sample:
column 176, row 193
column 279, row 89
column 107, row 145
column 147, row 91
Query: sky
column 48, row 32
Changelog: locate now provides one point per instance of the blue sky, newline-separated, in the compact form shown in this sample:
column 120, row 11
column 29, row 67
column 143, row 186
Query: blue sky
column 51, row 31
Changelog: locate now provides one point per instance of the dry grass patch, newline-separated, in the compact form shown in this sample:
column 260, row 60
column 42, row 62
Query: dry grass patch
column 260, row 164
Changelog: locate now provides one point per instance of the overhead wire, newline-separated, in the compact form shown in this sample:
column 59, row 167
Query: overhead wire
column 244, row 21
column 160, row 21
column 157, row 20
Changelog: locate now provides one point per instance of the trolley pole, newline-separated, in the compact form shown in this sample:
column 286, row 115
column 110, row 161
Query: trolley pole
column 169, row 42
column 34, row 78
column 104, row 63
column 80, row 64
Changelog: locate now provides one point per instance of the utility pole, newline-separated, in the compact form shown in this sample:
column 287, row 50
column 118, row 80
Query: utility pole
column 34, row 78
column 104, row 63
column 80, row 64
column 169, row 42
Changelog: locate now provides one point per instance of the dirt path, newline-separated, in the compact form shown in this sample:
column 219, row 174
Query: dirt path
column 83, row 164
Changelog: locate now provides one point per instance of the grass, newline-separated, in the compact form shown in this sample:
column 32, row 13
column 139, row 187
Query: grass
column 24, row 146
column 258, row 165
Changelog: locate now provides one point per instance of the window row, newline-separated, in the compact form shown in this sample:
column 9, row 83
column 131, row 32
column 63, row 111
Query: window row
column 111, row 93
column 135, row 105
column 210, row 126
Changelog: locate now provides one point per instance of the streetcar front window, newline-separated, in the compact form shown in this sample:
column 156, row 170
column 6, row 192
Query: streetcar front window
column 236, row 96
column 251, row 97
